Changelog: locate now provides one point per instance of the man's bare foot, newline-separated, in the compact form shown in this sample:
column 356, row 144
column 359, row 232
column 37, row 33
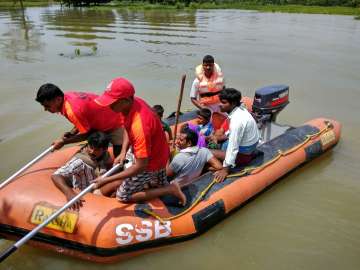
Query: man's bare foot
column 97, row 192
column 176, row 191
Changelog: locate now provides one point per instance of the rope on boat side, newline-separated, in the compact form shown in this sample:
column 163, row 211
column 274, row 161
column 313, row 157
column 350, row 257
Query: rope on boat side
column 252, row 170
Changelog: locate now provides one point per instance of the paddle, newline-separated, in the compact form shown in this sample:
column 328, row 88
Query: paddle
column 28, row 236
column 26, row 166
column 178, row 107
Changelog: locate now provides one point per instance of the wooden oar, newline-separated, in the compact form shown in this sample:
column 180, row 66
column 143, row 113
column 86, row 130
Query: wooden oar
column 28, row 236
column 11, row 178
column 178, row 107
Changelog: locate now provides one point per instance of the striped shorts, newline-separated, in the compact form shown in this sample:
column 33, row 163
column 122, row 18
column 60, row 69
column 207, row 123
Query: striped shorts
column 141, row 182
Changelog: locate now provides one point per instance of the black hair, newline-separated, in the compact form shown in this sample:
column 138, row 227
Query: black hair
column 191, row 136
column 208, row 59
column 48, row 92
column 99, row 140
column 232, row 95
column 204, row 112
column 159, row 110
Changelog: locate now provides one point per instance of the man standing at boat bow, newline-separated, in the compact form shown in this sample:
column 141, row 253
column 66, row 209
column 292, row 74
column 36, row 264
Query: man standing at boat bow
column 146, row 178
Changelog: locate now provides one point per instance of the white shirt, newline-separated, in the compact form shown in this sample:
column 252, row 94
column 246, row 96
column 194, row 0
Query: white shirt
column 194, row 92
column 243, row 131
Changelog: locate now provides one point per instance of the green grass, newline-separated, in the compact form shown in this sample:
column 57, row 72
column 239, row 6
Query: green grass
column 247, row 6
column 32, row 3
column 289, row 8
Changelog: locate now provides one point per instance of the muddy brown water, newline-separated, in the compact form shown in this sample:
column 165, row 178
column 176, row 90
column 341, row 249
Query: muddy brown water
column 309, row 220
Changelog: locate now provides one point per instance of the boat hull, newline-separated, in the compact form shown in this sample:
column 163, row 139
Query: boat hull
column 107, row 230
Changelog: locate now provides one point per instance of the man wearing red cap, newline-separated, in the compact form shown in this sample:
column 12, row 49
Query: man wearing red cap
column 146, row 178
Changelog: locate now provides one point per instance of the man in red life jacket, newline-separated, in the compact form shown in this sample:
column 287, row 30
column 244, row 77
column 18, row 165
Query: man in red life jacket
column 207, row 85
column 146, row 178
column 84, row 113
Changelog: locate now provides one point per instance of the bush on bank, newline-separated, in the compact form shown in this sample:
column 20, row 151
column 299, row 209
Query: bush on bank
column 79, row 3
column 187, row 3
column 344, row 7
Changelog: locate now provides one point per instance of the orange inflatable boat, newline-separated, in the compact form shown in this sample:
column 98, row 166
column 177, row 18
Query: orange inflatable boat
column 105, row 230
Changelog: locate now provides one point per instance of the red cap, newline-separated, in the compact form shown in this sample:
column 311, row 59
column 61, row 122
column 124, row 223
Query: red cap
column 117, row 89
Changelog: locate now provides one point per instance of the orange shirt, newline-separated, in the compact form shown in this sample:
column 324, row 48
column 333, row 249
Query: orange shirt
column 146, row 135
column 81, row 110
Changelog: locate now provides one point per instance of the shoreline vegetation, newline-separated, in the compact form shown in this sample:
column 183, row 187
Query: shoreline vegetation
column 144, row 5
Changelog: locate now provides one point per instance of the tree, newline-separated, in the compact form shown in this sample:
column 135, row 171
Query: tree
column 79, row 3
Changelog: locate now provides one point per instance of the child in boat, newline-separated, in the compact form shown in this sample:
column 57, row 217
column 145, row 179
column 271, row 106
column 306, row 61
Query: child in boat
column 89, row 163
column 159, row 110
column 205, row 126
column 217, row 140
column 190, row 161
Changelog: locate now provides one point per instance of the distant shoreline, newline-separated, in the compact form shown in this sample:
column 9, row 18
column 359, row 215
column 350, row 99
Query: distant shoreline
column 331, row 10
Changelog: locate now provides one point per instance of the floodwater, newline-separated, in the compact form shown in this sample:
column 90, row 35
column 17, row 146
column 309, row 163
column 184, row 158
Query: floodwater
column 309, row 220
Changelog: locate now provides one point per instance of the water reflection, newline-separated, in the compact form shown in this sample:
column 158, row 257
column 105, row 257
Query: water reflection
column 163, row 28
column 88, row 30
column 156, row 18
column 22, row 40
column 84, row 27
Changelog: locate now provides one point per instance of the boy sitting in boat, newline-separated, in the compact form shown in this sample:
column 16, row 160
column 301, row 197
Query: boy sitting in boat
column 243, row 133
column 205, row 126
column 214, row 138
column 89, row 163
column 218, row 139
column 190, row 161
column 159, row 111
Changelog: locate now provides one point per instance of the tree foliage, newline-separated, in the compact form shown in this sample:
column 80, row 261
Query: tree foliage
column 347, row 3
column 79, row 3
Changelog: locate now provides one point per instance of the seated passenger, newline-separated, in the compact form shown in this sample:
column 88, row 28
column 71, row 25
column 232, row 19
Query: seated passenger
column 201, row 142
column 90, row 162
column 243, row 133
column 159, row 110
column 218, row 139
column 205, row 126
column 190, row 161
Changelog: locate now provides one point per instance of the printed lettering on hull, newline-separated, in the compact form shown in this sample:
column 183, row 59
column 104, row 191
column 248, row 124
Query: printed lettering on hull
column 65, row 222
column 127, row 233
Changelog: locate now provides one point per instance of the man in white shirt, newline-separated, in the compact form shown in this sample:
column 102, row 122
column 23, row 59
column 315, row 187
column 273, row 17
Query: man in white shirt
column 243, row 133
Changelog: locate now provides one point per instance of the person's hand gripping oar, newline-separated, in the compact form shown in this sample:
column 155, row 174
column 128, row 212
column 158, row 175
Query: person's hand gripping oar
column 12, row 177
column 177, row 115
column 28, row 236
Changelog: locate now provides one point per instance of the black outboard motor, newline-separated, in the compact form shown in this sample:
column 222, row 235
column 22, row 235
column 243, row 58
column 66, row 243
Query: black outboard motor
column 268, row 102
